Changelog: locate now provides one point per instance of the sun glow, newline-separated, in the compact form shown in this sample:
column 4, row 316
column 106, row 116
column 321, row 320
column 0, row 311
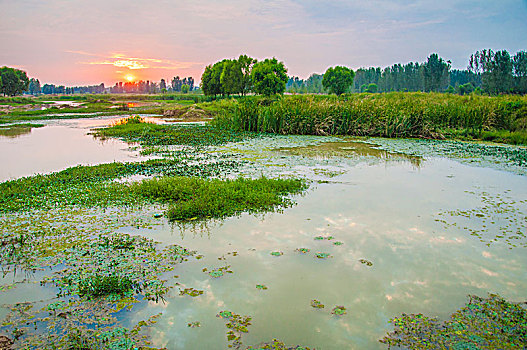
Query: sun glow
column 129, row 78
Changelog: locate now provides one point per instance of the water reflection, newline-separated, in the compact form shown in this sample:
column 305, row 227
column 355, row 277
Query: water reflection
column 348, row 149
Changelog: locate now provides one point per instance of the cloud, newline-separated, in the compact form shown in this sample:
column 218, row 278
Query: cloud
column 124, row 61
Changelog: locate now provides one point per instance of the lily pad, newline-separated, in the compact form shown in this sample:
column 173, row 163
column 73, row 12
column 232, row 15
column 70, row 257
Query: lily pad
column 261, row 287
column 278, row 253
column 320, row 255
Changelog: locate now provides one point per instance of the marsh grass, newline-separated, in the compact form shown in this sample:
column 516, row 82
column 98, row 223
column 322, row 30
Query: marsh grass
column 400, row 115
column 193, row 198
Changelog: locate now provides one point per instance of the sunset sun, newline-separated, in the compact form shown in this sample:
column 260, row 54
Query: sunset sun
column 129, row 78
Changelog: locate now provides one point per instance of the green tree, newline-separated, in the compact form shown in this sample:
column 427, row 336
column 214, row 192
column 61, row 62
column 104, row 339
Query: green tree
column 14, row 81
column 231, row 77
column 436, row 73
column 269, row 77
column 246, row 64
column 372, row 88
column 185, row 88
column 210, row 79
column 338, row 80
column 519, row 64
column 34, row 86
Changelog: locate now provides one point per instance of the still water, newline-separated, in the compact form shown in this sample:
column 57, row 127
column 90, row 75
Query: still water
column 404, row 214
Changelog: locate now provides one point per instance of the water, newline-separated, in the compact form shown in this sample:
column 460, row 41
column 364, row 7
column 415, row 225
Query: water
column 394, row 210
column 59, row 145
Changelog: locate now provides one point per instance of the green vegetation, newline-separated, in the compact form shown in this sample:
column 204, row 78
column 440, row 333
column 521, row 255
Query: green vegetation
column 229, row 77
column 338, row 80
column 13, row 81
column 193, row 198
column 135, row 129
column 91, row 185
column 483, row 323
column 14, row 130
column 387, row 115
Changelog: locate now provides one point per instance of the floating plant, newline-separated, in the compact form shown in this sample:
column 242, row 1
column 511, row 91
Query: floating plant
column 237, row 325
column 322, row 238
column 366, row 262
column 303, row 250
column 339, row 310
column 194, row 324
column 261, row 287
column 317, row 304
column 277, row 345
column 191, row 291
column 277, row 253
column 483, row 323
column 320, row 255
column 219, row 271
column 337, row 243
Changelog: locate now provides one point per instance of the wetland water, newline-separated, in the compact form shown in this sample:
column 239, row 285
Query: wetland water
column 434, row 229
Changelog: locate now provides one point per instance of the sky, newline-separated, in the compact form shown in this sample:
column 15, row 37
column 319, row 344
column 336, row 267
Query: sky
column 86, row 42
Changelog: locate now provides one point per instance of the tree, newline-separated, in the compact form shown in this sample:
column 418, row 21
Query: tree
column 14, row 81
column 436, row 73
column 495, row 69
column 372, row 88
column 519, row 64
column 211, row 79
column 246, row 64
column 231, row 77
column 163, row 85
column 185, row 88
column 338, row 80
column 269, row 77
column 34, row 86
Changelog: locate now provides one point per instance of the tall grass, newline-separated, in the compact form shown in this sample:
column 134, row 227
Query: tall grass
column 397, row 114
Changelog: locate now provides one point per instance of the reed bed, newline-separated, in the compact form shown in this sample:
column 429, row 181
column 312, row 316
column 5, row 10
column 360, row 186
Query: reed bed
column 421, row 115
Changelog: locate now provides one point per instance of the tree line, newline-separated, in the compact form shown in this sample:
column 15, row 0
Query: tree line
column 244, row 75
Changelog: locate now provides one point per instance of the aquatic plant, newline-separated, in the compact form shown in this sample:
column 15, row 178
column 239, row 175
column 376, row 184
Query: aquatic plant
column 483, row 323
column 98, row 285
column 193, row 198
column 339, row 311
column 218, row 272
column 320, row 255
column 276, row 344
column 277, row 253
column 365, row 262
column 191, row 292
column 237, row 325
column 317, row 304
column 194, row 324
column 261, row 286
column 303, row 250
column 337, row 243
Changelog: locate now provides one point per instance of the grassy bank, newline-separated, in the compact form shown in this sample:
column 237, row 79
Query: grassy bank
column 421, row 115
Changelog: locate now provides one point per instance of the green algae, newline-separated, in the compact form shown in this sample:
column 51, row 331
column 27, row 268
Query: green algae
column 339, row 311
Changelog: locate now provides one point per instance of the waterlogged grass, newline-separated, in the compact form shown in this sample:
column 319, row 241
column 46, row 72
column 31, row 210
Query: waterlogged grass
column 91, row 185
column 149, row 134
column 193, row 198
column 483, row 323
column 421, row 115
